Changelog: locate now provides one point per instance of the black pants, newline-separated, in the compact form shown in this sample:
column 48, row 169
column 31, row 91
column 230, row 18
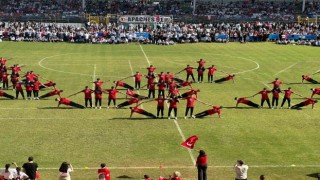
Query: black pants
column 124, row 104
column 202, row 114
column 161, row 92
column 275, row 100
column 29, row 94
column 35, row 93
column 86, row 100
column 8, row 96
column 137, row 84
column 73, row 104
column 202, row 172
column 298, row 105
column 160, row 110
column 200, row 77
column 114, row 101
column 127, row 86
column 5, row 84
column 188, row 75
column 148, row 114
column 45, row 96
column 178, row 80
column 175, row 110
column 210, row 78
column 98, row 101
column 184, row 95
column 284, row 100
column 187, row 110
column 220, row 80
column 17, row 94
column 313, row 81
column 252, row 104
column 268, row 102
column 151, row 92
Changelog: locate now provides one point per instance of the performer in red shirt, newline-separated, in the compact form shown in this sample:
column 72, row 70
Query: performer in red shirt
column 137, row 80
column 161, row 88
column 14, row 79
column 184, row 84
column 131, row 93
column 146, row 177
column 168, row 77
column 5, row 80
column 315, row 91
column 174, row 93
column 173, row 106
column 36, row 87
column 122, row 84
column 98, row 97
column 227, row 78
column 67, row 102
column 287, row 97
column 129, row 102
column 135, row 109
column 243, row 100
column 152, row 89
column 309, row 79
column 104, row 171
column 276, row 83
column 188, row 69
column 112, row 96
column 190, row 105
column 98, row 83
column 189, row 93
column 211, row 71
column 52, row 93
column 275, row 97
column 4, row 94
column 151, row 69
column 29, row 88
column 150, row 78
column 305, row 103
column 201, row 63
column 160, row 105
column 200, row 74
column 264, row 96
column 48, row 84
column 162, row 77
column 87, row 95
column 3, row 61
column 18, row 89
column 202, row 165
column 215, row 109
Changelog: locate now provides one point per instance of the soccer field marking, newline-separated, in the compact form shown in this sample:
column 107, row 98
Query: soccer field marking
column 94, row 75
column 191, row 167
column 175, row 121
column 245, row 71
column 285, row 69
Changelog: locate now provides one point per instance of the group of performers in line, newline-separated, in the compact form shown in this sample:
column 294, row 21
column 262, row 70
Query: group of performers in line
column 165, row 82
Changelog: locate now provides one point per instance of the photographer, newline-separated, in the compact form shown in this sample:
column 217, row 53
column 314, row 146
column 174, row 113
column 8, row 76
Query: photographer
column 65, row 170
column 241, row 170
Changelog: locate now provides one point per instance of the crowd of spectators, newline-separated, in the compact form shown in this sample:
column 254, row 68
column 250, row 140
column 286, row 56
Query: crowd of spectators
column 163, row 34
column 216, row 10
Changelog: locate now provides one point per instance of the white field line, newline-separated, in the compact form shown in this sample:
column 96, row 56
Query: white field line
column 257, row 66
column 283, row 70
column 175, row 122
column 69, row 64
column 192, row 167
column 145, row 56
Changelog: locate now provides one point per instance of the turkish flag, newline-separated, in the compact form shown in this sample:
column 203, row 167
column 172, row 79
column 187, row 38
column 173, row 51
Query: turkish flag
column 189, row 143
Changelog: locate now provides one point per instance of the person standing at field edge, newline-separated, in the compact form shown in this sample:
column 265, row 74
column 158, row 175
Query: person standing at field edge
column 202, row 164
column 104, row 172
column 30, row 168
column 241, row 170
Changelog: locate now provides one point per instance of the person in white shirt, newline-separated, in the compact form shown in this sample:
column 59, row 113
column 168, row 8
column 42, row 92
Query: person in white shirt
column 65, row 170
column 241, row 170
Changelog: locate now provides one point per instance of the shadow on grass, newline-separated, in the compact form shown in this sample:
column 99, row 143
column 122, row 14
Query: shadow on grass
column 57, row 108
column 137, row 119
column 314, row 175
column 233, row 107
column 124, row 177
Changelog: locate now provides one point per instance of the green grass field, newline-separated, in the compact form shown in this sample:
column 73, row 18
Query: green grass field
column 280, row 143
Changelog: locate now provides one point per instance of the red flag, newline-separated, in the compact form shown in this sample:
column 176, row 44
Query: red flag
column 189, row 143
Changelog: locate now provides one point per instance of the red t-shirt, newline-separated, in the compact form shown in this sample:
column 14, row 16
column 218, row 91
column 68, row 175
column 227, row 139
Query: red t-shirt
column 191, row 92
column 189, row 70
column 151, row 69
column 98, row 94
column 161, row 86
column 190, row 101
column 105, row 172
column 229, row 77
column 174, row 92
column 3, row 61
column 264, row 94
column 119, row 83
column 275, row 93
column 200, row 71
column 130, row 93
column 162, row 77
column 287, row 93
column 243, row 101
column 29, row 87
column 112, row 93
column 152, row 86
column 133, row 100
column 160, row 101
column 211, row 70
column 50, row 83
column 150, row 79
column 98, row 83
column 309, row 101
column 316, row 91
column 64, row 101
column 201, row 63
column 2, row 93
column 55, row 92
column 306, row 77
column 14, row 78
column 216, row 109
column 168, row 77
column 276, row 84
column 185, row 83
column 4, row 77
column 137, row 77
column 137, row 110
column 87, row 93
column 174, row 103
column 36, row 85
column 202, row 160
column 18, row 86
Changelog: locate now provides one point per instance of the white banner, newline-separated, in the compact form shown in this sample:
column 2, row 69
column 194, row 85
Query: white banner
column 145, row 19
